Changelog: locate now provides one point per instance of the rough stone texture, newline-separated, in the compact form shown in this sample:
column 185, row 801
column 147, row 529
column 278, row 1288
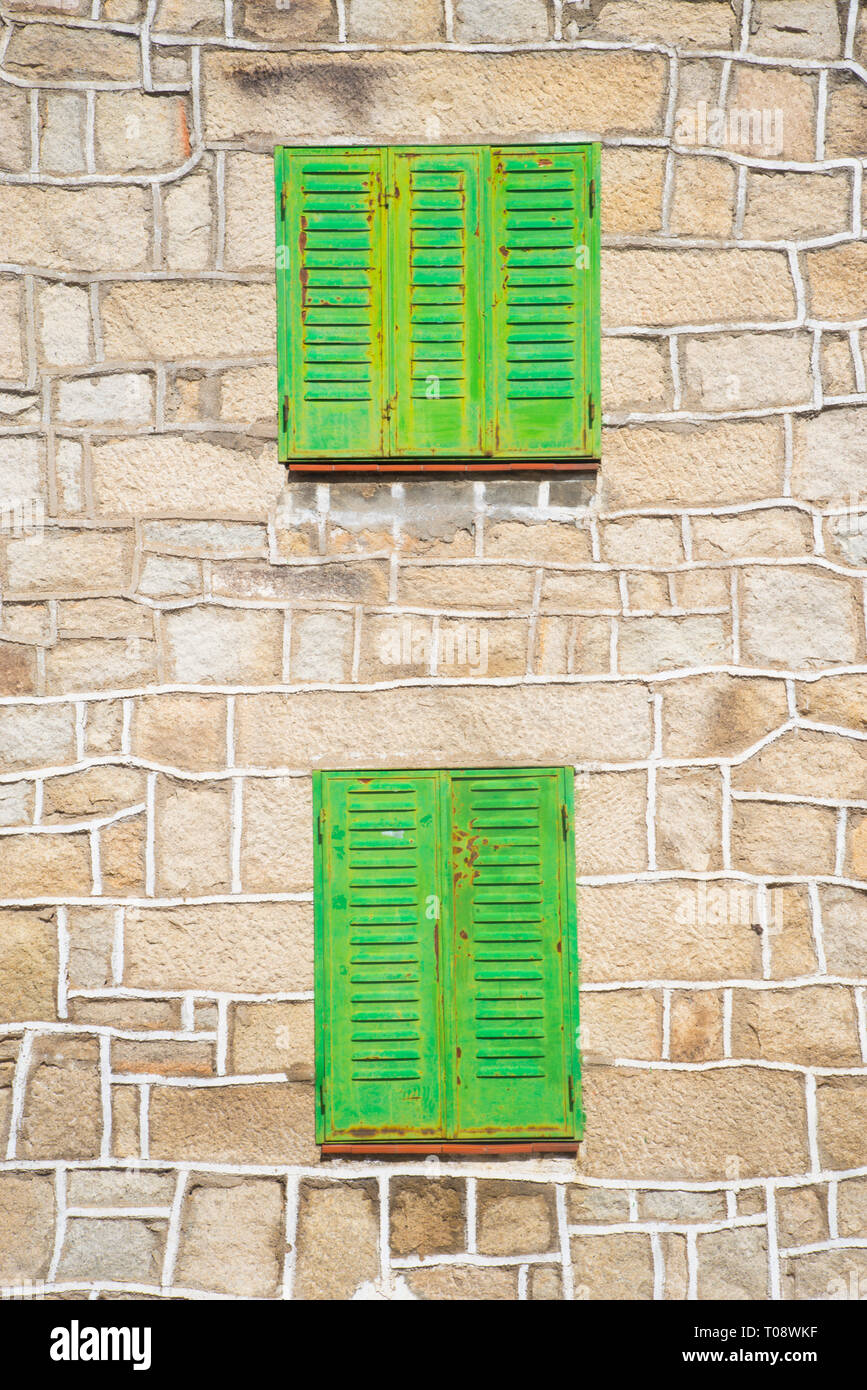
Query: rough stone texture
column 186, row 633
column 232, row 1238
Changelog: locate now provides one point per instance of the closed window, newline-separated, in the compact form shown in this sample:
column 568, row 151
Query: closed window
column 438, row 307
column 446, row 959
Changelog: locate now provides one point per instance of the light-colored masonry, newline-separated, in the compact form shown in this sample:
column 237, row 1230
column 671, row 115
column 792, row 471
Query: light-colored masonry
column 183, row 637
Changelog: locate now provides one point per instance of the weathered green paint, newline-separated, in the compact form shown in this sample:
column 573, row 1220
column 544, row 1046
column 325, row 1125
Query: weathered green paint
column 446, row 956
column 438, row 303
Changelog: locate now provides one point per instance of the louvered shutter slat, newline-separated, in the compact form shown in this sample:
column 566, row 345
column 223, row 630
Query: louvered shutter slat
column 511, row 956
column 379, row 1011
column 332, row 304
column 436, row 265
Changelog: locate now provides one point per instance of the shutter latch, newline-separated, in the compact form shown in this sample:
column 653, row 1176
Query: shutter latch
column 592, row 198
column 284, row 192
column 564, row 817
column 591, row 410
column 322, row 1096
column 571, row 1095
column 321, row 826
column 285, row 414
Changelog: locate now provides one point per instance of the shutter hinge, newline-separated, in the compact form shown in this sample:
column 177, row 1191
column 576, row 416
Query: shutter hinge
column 564, row 817
column 571, row 1095
column 388, row 408
column 285, row 414
column 591, row 410
column 320, row 827
column 592, row 197
column 284, row 193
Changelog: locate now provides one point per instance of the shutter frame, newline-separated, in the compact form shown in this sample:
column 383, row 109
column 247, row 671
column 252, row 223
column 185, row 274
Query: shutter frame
column 493, row 433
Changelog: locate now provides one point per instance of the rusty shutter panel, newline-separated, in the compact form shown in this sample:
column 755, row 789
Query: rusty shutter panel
column 438, row 238
column 330, row 240
column 544, row 257
column 378, row 1003
column 514, row 954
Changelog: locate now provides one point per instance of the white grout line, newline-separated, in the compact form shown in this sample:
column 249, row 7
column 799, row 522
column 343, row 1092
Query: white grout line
column 173, row 1236
column 773, row 1252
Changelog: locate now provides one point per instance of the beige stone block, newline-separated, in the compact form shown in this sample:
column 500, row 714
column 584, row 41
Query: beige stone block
column 783, row 839
column 480, row 21
column 835, row 276
column 773, row 531
column 856, row 835
column 103, row 617
column 829, row 450
column 844, row 929
column 464, row 1283
column 261, row 1122
column 842, row 1108
column 34, row 736
column 642, row 541
column 22, row 473
column 39, row 866
column 565, row 646
column 447, row 725
column 481, row 647
column 852, row 1207
column 16, row 803
column 632, row 181
column 796, row 29
column 338, row 1240
column 798, row 617
column 63, row 133
column 304, row 21
column 28, row 966
column 232, row 646
column 163, row 576
column 427, row 1216
column 60, row 561
column 311, row 97
column 696, row 1026
column 837, row 367
column 53, row 52
column 356, row 581
column 248, row 393
column 64, row 324
column 11, row 360
column 125, row 1121
column 210, row 539
column 790, row 932
column 249, row 191
column 122, row 856
column 825, row 1274
column 585, row 591
column 100, row 665
column 26, row 622
column 665, row 287
column 95, row 1187
column 647, row 593
column 719, row 714
column 121, row 398
column 745, row 371
column 133, row 1015
column 64, row 228
column 69, row 474
column 549, row 541
column 802, row 1215
column 139, row 132
column 62, row 1114
column 667, row 1204
column 273, row 1037
column 806, row 763
column 668, row 930
column 515, row 1218
column 14, row 129
column 703, row 197
column 693, row 1125
column 322, row 646
column 618, row 1266
column 188, row 223
column 733, row 1264
column 796, row 205
column 232, row 1237
column 277, row 836
column 620, row 1023
column 661, row 643
column 161, row 320
column 677, row 22
column 161, row 1057
column 590, row 1206
column 634, row 374
column 179, row 730
column 688, row 819
column 17, row 669
column 741, row 460
column 242, row 948
column 544, row 1282
column 789, row 135
column 815, row 1025
column 121, row 1249
column 92, row 934
column 26, row 1227
column 470, row 586
column 610, row 822
column 192, row 837
column 97, row 791
column 846, row 117
column 189, row 17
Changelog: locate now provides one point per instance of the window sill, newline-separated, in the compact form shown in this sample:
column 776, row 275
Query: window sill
column 507, row 1149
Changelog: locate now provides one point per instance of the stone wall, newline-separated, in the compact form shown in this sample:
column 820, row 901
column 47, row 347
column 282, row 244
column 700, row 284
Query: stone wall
column 183, row 637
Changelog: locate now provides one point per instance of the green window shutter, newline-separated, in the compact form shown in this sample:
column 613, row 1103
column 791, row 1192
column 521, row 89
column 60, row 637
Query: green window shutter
column 379, row 1050
column 330, row 302
column 544, row 246
column 512, row 1010
column 437, row 297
